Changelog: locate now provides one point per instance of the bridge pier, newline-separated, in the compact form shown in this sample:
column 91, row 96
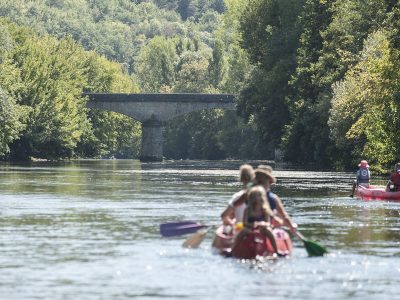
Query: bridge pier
column 152, row 141
column 153, row 110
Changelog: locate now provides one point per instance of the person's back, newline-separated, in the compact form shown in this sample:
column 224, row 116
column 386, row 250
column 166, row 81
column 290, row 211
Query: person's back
column 233, row 214
column 363, row 174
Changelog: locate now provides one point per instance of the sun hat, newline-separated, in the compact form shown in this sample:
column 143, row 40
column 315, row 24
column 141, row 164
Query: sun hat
column 265, row 170
column 363, row 164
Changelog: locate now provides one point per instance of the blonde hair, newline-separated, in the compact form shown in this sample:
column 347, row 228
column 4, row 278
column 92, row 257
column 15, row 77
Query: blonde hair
column 246, row 173
column 252, row 196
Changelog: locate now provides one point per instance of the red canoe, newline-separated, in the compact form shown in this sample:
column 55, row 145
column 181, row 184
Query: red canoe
column 376, row 193
column 254, row 244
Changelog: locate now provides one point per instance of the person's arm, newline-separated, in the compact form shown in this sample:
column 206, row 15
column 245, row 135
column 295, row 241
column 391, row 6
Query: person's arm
column 285, row 216
column 228, row 216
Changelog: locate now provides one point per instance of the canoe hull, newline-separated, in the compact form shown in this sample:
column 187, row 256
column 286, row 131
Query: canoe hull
column 375, row 193
column 253, row 245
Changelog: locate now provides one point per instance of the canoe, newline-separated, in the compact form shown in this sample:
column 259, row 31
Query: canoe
column 376, row 193
column 254, row 244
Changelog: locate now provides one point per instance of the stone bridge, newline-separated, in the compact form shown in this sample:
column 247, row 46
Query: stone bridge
column 154, row 110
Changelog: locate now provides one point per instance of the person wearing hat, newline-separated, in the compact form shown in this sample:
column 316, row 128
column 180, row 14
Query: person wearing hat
column 394, row 182
column 363, row 176
column 265, row 178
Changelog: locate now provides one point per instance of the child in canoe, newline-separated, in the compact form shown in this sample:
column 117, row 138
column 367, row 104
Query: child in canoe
column 258, row 215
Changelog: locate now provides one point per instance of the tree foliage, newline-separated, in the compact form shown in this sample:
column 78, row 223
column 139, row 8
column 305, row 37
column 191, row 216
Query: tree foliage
column 365, row 111
column 42, row 81
column 316, row 79
column 270, row 32
column 329, row 63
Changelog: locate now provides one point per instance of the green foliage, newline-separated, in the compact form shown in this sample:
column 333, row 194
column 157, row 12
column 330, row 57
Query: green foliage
column 109, row 134
column 237, row 65
column 214, row 134
column 365, row 112
column 12, row 121
column 192, row 73
column 42, row 80
column 52, row 77
column 216, row 67
column 156, row 64
column 287, row 59
column 306, row 136
column 349, row 24
column 270, row 32
column 141, row 36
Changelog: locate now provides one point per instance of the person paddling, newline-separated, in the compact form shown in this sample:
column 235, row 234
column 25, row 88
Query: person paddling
column 393, row 184
column 233, row 214
column 363, row 176
column 265, row 178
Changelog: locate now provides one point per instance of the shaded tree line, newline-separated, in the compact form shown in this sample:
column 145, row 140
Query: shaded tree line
column 325, row 87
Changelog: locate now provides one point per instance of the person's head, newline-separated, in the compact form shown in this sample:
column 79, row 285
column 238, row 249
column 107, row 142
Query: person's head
column 264, row 175
column 246, row 174
column 363, row 164
column 397, row 167
column 257, row 199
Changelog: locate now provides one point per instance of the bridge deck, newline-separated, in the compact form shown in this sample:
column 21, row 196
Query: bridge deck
column 154, row 97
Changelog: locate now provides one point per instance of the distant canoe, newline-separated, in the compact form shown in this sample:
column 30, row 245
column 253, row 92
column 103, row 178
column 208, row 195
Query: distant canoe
column 376, row 193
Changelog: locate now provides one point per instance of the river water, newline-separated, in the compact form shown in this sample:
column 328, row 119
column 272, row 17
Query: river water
column 89, row 229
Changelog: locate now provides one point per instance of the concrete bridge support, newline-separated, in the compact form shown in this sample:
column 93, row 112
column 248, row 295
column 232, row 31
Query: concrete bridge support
column 152, row 141
column 154, row 110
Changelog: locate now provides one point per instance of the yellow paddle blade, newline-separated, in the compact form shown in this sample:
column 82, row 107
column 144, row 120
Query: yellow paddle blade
column 194, row 240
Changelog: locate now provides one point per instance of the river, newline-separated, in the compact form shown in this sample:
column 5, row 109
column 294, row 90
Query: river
column 89, row 229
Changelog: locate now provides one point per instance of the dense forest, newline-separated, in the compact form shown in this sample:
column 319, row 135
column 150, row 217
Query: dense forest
column 317, row 80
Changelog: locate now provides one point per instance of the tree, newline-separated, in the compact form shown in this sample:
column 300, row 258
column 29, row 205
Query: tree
column 216, row 66
column 52, row 76
column 12, row 121
column 192, row 73
column 270, row 32
column 305, row 137
column 365, row 108
column 109, row 134
column 156, row 64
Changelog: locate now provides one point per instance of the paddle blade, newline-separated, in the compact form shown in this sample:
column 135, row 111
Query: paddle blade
column 314, row 249
column 179, row 228
column 194, row 240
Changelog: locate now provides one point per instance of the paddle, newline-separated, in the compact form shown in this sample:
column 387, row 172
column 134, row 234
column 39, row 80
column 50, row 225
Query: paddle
column 313, row 249
column 179, row 228
column 195, row 239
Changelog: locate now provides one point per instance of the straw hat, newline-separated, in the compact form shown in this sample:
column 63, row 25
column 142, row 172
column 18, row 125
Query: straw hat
column 266, row 171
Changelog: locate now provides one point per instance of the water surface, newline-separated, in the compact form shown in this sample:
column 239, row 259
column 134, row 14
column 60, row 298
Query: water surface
column 90, row 230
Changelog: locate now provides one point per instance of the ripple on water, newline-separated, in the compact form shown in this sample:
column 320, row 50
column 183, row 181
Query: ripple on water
column 90, row 230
